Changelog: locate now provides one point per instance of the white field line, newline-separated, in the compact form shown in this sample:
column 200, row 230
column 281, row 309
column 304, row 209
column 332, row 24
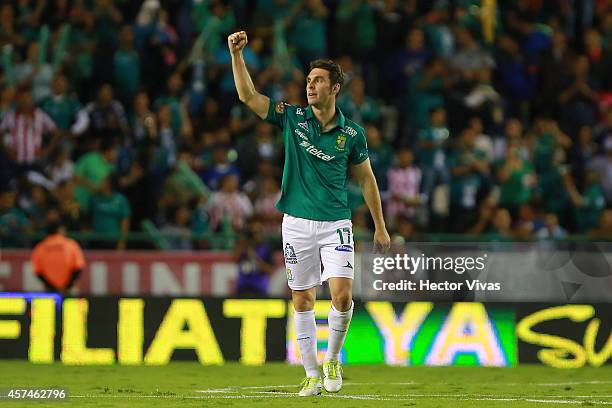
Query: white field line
column 355, row 397
column 258, row 387
column 93, row 396
column 449, row 395
column 574, row 383
column 262, row 387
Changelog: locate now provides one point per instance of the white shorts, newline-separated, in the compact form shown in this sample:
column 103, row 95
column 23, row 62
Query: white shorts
column 310, row 246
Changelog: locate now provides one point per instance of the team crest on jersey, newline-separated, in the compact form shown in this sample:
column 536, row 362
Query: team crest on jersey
column 280, row 108
column 289, row 275
column 290, row 257
column 340, row 142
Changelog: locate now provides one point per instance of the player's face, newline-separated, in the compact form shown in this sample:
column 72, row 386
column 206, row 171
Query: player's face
column 319, row 90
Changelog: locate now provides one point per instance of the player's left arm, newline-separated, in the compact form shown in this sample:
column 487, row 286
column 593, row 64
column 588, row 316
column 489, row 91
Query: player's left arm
column 365, row 176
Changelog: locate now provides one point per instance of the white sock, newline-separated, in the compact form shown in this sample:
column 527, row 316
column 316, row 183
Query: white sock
column 338, row 326
column 306, row 335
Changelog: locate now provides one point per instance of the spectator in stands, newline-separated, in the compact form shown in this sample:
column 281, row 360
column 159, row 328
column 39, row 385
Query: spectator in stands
column 600, row 58
column 178, row 228
column 578, row 98
column 9, row 32
column 106, row 21
column 221, row 167
column 167, row 139
column 356, row 29
column 582, row 153
column 92, row 169
column 143, row 122
column 81, row 48
column 554, row 65
column 57, row 260
column 35, row 72
column 483, row 141
column 110, row 215
column 588, row 205
column 404, row 186
column 293, row 93
column 263, row 146
column 183, row 186
column 433, row 142
column 269, row 217
column 381, row 155
column 7, row 99
column 426, row 92
column 308, row 16
column 70, row 210
column 604, row 227
column 254, row 259
column 242, row 121
column 13, row 221
column 24, row 129
column 468, row 168
column 229, row 207
column 516, row 179
column 126, row 67
column 602, row 165
column 172, row 98
column 389, row 37
column 493, row 223
column 469, row 57
column 64, row 109
column 36, row 205
column 107, row 118
column 548, row 143
column 412, row 58
column 405, row 230
column 60, row 168
column 552, row 229
column 356, row 104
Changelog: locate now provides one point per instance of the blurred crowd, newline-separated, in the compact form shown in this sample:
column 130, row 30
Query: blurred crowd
column 482, row 117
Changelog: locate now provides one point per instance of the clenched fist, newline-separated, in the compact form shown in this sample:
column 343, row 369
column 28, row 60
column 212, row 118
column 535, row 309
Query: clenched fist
column 237, row 41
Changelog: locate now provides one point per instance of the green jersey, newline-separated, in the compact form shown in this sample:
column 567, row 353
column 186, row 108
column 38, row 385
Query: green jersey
column 62, row 109
column 93, row 168
column 314, row 183
column 108, row 212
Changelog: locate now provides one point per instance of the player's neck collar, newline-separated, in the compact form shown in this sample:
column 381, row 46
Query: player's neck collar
column 340, row 119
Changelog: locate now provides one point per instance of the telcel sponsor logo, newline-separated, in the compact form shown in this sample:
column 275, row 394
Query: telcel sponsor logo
column 300, row 134
column 318, row 153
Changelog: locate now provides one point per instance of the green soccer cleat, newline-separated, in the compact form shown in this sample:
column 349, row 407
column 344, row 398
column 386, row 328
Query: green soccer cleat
column 310, row 386
column 332, row 376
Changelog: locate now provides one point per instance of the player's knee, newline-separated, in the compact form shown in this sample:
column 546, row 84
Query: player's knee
column 342, row 301
column 302, row 301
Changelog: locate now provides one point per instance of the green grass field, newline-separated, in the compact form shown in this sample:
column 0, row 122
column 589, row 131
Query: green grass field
column 274, row 385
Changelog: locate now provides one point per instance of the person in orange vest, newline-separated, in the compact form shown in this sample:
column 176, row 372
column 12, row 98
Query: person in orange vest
column 57, row 260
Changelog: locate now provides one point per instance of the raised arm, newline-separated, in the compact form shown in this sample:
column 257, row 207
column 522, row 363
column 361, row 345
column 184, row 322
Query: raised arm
column 247, row 93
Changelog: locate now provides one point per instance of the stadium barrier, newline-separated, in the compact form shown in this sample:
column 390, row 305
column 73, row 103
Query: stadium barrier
column 157, row 330
column 510, row 272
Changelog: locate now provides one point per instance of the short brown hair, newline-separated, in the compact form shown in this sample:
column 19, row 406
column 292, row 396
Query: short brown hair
column 336, row 75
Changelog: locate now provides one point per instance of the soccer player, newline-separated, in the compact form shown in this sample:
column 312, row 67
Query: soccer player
column 320, row 142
